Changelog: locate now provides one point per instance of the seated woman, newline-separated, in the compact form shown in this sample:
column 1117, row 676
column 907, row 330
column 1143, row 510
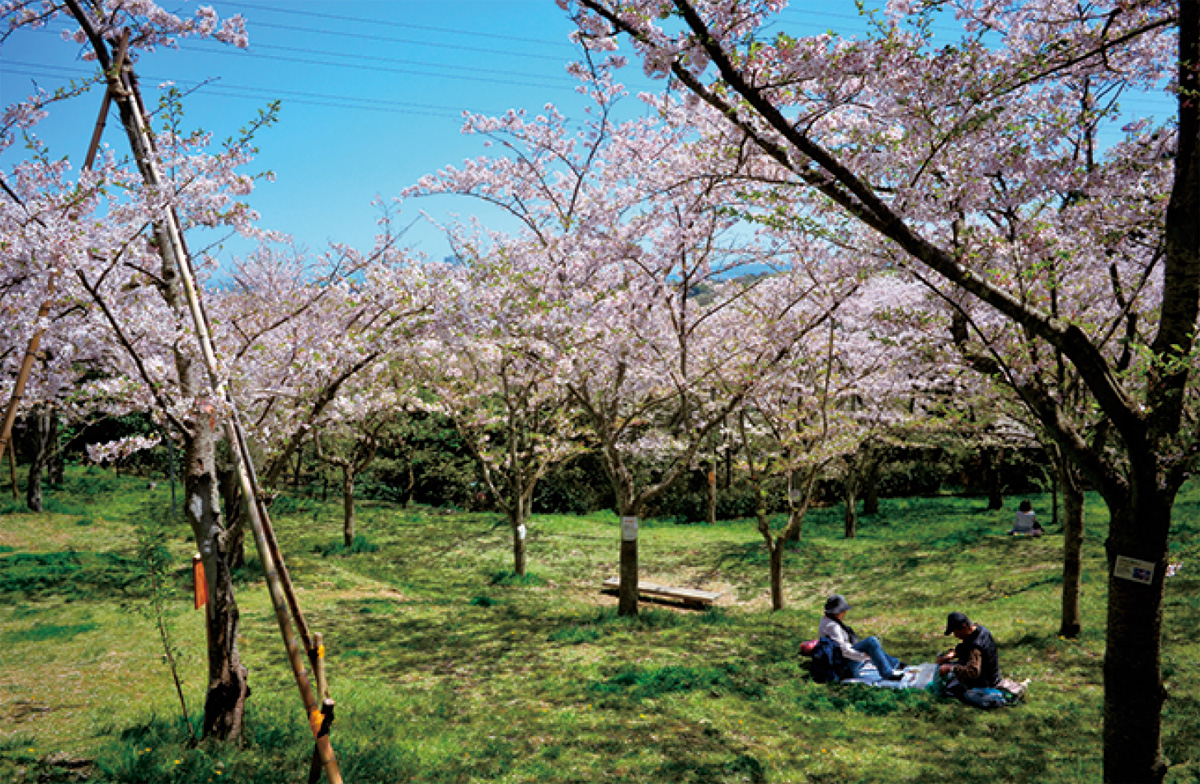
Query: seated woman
column 855, row 652
column 1025, row 523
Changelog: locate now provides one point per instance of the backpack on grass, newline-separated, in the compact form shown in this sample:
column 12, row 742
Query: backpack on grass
column 827, row 661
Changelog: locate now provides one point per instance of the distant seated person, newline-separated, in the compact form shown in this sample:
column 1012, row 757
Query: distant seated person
column 1026, row 523
column 974, row 663
column 855, row 652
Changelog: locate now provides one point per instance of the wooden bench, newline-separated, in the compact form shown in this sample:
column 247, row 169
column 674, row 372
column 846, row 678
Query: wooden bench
column 691, row 597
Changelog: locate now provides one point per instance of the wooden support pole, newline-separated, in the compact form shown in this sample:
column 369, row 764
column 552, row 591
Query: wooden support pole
column 314, row 770
column 317, row 657
column 14, row 401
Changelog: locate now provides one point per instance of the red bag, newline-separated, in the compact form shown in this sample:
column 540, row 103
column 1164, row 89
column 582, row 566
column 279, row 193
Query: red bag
column 806, row 648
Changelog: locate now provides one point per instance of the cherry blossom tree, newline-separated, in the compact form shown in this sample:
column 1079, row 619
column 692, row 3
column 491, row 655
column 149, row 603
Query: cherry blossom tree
column 485, row 368
column 948, row 155
column 637, row 244
column 851, row 374
column 309, row 341
column 356, row 426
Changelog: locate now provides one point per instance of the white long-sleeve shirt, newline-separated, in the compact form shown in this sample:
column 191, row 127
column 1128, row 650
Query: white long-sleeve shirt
column 834, row 631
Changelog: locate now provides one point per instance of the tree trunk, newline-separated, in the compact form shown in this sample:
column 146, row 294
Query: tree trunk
column 348, row 506
column 516, row 522
column 995, row 459
column 775, row 551
column 712, row 494
column 39, row 441
column 296, row 474
column 622, row 484
column 851, row 511
column 627, row 603
column 871, row 490
column 1072, row 623
column 55, row 468
column 225, row 701
column 12, row 468
column 235, row 518
column 412, row 483
column 1133, row 687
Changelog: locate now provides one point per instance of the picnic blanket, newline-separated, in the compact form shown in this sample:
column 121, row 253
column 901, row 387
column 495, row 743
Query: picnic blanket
column 916, row 676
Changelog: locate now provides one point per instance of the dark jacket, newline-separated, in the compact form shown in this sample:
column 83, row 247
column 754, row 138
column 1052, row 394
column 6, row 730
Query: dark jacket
column 977, row 660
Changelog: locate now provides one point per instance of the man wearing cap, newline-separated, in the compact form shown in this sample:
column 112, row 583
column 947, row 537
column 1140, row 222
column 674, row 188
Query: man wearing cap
column 856, row 652
column 975, row 662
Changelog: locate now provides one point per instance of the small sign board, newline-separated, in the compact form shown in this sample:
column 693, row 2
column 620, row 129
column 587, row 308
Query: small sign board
column 521, row 531
column 629, row 529
column 1132, row 569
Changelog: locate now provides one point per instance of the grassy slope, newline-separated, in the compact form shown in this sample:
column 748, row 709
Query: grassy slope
column 446, row 669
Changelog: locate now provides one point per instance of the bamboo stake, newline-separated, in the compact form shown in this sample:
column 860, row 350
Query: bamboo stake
column 31, row 352
column 319, row 666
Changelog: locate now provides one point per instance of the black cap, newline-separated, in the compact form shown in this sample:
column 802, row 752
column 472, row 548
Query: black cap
column 956, row 620
column 836, row 604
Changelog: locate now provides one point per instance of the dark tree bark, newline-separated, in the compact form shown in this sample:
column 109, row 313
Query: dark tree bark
column 55, row 467
column 235, row 518
column 348, row 517
column 1072, row 622
column 850, row 507
column 871, row 490
column 994, row 471
column 38, row 430
column 228, row 686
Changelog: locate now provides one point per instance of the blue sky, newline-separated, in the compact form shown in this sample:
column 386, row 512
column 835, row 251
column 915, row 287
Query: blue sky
column 372, row 96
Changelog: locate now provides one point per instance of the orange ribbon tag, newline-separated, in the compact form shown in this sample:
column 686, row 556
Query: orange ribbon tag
column 200, row 582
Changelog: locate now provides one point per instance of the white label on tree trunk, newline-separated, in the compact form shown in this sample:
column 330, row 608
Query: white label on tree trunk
column 521, row 531
column 1133, row 569
column 629, row 526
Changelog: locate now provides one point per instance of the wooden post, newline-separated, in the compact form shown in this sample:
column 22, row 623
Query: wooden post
column 317, row 657
column 314, row 770
column 31, row 352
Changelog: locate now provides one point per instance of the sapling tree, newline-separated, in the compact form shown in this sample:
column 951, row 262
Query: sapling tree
column 947, row 155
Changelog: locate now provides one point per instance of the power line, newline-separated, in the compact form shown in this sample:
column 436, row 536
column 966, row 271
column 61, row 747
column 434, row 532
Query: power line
column 242, row 91
column 370, row 63
column 472, row 75
column 306, row 98
column 401, row 25
column 409, row 42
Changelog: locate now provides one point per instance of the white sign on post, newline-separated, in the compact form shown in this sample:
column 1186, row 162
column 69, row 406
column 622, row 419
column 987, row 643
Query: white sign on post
column 1132, row 569
column 629, row 529
column 521, row 532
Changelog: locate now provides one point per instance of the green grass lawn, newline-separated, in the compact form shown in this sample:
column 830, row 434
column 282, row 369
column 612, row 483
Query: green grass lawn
column 446, row 668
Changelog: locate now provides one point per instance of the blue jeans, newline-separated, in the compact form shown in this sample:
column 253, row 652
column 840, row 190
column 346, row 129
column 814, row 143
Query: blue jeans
column 884, row 662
